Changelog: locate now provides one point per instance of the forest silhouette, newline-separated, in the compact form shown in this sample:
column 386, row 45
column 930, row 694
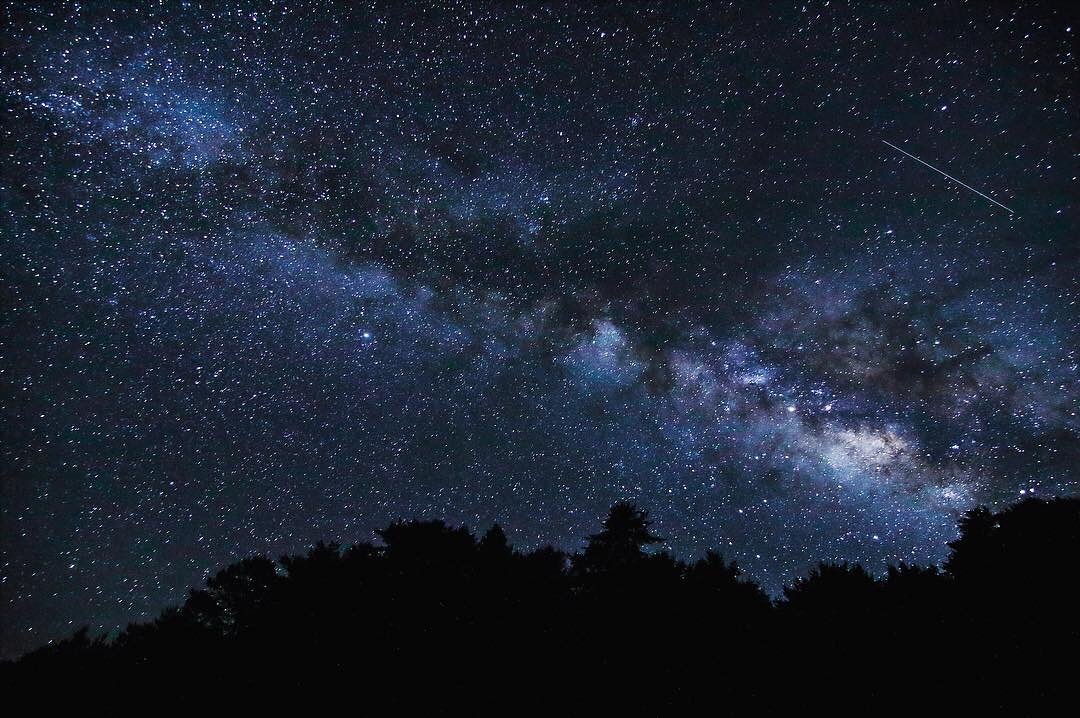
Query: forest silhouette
column 434, row 617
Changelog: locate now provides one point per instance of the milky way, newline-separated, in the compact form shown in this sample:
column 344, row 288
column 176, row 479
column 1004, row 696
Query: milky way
column 281, row 272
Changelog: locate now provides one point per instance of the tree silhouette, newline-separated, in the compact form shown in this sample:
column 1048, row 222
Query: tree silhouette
column 973, row 553
column 718, row 585
column 433, row 614
column 622, row 541
column 1034, row 543
column 832, row 590
column 234, row 597
column 494, row 545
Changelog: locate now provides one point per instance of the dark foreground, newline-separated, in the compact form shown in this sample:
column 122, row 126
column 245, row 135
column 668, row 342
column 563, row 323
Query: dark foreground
column 437, row 619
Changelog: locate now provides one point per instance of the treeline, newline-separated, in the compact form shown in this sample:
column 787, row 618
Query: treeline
column 434, row 617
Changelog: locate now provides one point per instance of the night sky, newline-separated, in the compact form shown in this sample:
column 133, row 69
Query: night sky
column 279, row 272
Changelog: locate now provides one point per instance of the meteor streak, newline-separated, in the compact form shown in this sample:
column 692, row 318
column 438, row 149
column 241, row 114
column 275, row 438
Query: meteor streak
column 999, row 204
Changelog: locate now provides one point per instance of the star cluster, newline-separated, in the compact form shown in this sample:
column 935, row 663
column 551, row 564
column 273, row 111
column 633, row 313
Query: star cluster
column 282, row 271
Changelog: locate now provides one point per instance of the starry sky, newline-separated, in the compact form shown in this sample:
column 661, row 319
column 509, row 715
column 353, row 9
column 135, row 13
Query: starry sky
column 281, row 271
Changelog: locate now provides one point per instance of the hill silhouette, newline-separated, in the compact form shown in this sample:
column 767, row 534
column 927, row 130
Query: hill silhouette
column 438, row 618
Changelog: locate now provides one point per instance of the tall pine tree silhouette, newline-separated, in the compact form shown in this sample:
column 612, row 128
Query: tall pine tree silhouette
column 622, row 541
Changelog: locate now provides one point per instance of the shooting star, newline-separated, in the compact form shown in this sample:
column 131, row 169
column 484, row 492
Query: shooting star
column 999, row 204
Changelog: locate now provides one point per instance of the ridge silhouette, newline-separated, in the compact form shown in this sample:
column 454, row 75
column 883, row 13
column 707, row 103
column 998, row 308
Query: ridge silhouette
column 435, row 617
